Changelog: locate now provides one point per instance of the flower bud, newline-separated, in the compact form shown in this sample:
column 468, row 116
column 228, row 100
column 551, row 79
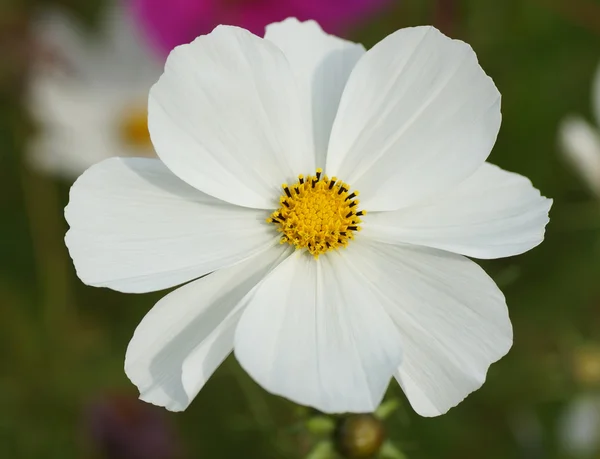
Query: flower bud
column 359, row 436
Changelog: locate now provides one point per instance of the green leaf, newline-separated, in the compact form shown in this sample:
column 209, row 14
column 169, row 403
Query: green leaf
column 389, row 451
column 322, row 450
column 320, row 425
column 387, row 408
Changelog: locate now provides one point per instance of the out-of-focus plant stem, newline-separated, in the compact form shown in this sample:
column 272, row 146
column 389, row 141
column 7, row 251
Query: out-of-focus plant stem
column 259, row 407
column 47, row 233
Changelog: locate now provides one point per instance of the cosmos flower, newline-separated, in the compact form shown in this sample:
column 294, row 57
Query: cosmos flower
column 88, row 94
column 580, row 141
column 169, row 23
column 264, row 145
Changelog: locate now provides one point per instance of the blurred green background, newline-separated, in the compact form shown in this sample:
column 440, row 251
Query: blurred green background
column 63, row 344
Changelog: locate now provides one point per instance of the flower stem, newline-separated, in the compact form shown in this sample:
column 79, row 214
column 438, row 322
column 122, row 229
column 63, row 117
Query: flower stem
column 42, row 208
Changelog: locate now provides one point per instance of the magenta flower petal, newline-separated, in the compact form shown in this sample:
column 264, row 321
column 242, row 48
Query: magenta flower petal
column 168, row 23
column 334, row 16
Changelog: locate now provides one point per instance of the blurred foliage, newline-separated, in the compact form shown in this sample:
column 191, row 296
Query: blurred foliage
column 63, row 343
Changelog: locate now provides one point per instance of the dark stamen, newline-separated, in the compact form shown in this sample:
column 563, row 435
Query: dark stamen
column 287, row 191
column 331, row 184
column 350, row 214
column 359, row 213
column 350, row 196
column 353, row 228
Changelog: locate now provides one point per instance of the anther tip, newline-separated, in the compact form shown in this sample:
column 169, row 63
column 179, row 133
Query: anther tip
column 319, row 170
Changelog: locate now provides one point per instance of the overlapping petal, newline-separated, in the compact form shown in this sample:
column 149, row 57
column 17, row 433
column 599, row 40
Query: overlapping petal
column 227, row 118
column 321, row 64
column 412, row 122
column 186, row 336
column 136, row 227
column 418, row 116
column 492, row 214
column 580, row 144
column 452, row 317
column 313, row 333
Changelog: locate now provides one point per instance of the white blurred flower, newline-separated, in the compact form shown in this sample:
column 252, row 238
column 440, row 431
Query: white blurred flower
column 409, row 123
column 579, row 427
column 89, row 92
column 580, row 141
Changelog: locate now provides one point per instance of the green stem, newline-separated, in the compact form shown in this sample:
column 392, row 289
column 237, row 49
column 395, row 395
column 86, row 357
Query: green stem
column 47, row 233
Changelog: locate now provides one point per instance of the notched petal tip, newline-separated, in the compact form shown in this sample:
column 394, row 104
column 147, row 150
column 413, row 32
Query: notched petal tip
column 478, row 383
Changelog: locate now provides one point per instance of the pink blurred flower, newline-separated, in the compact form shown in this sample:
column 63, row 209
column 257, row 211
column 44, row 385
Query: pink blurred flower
column 122, row 427
column 169, row 23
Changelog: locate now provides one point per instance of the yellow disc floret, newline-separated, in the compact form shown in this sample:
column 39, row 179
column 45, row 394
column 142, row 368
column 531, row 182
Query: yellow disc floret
column 317, row 213
column 134, row 128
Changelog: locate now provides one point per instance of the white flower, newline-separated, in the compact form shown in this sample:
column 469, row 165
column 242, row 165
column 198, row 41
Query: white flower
column 90, row 97
column 580, row 141
column 409, row 123
column 579, row 427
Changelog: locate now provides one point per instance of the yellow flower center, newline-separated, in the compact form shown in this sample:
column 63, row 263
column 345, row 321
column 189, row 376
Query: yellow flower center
column 134, row 128
column 317, row 213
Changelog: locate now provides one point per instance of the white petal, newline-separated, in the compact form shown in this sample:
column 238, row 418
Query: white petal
column 125, row 49
column 596, row 95
column 60, row 35
column 116, row 56
column 226, row 117
column 71, row 130
column 321, row 64
column 580, row 426
column 492, row 214
column 135, row 227
column 452, row 317
column 314, row 333
column 186, row 336
column 580, row 144
column 417, row 116
column 77, row 124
